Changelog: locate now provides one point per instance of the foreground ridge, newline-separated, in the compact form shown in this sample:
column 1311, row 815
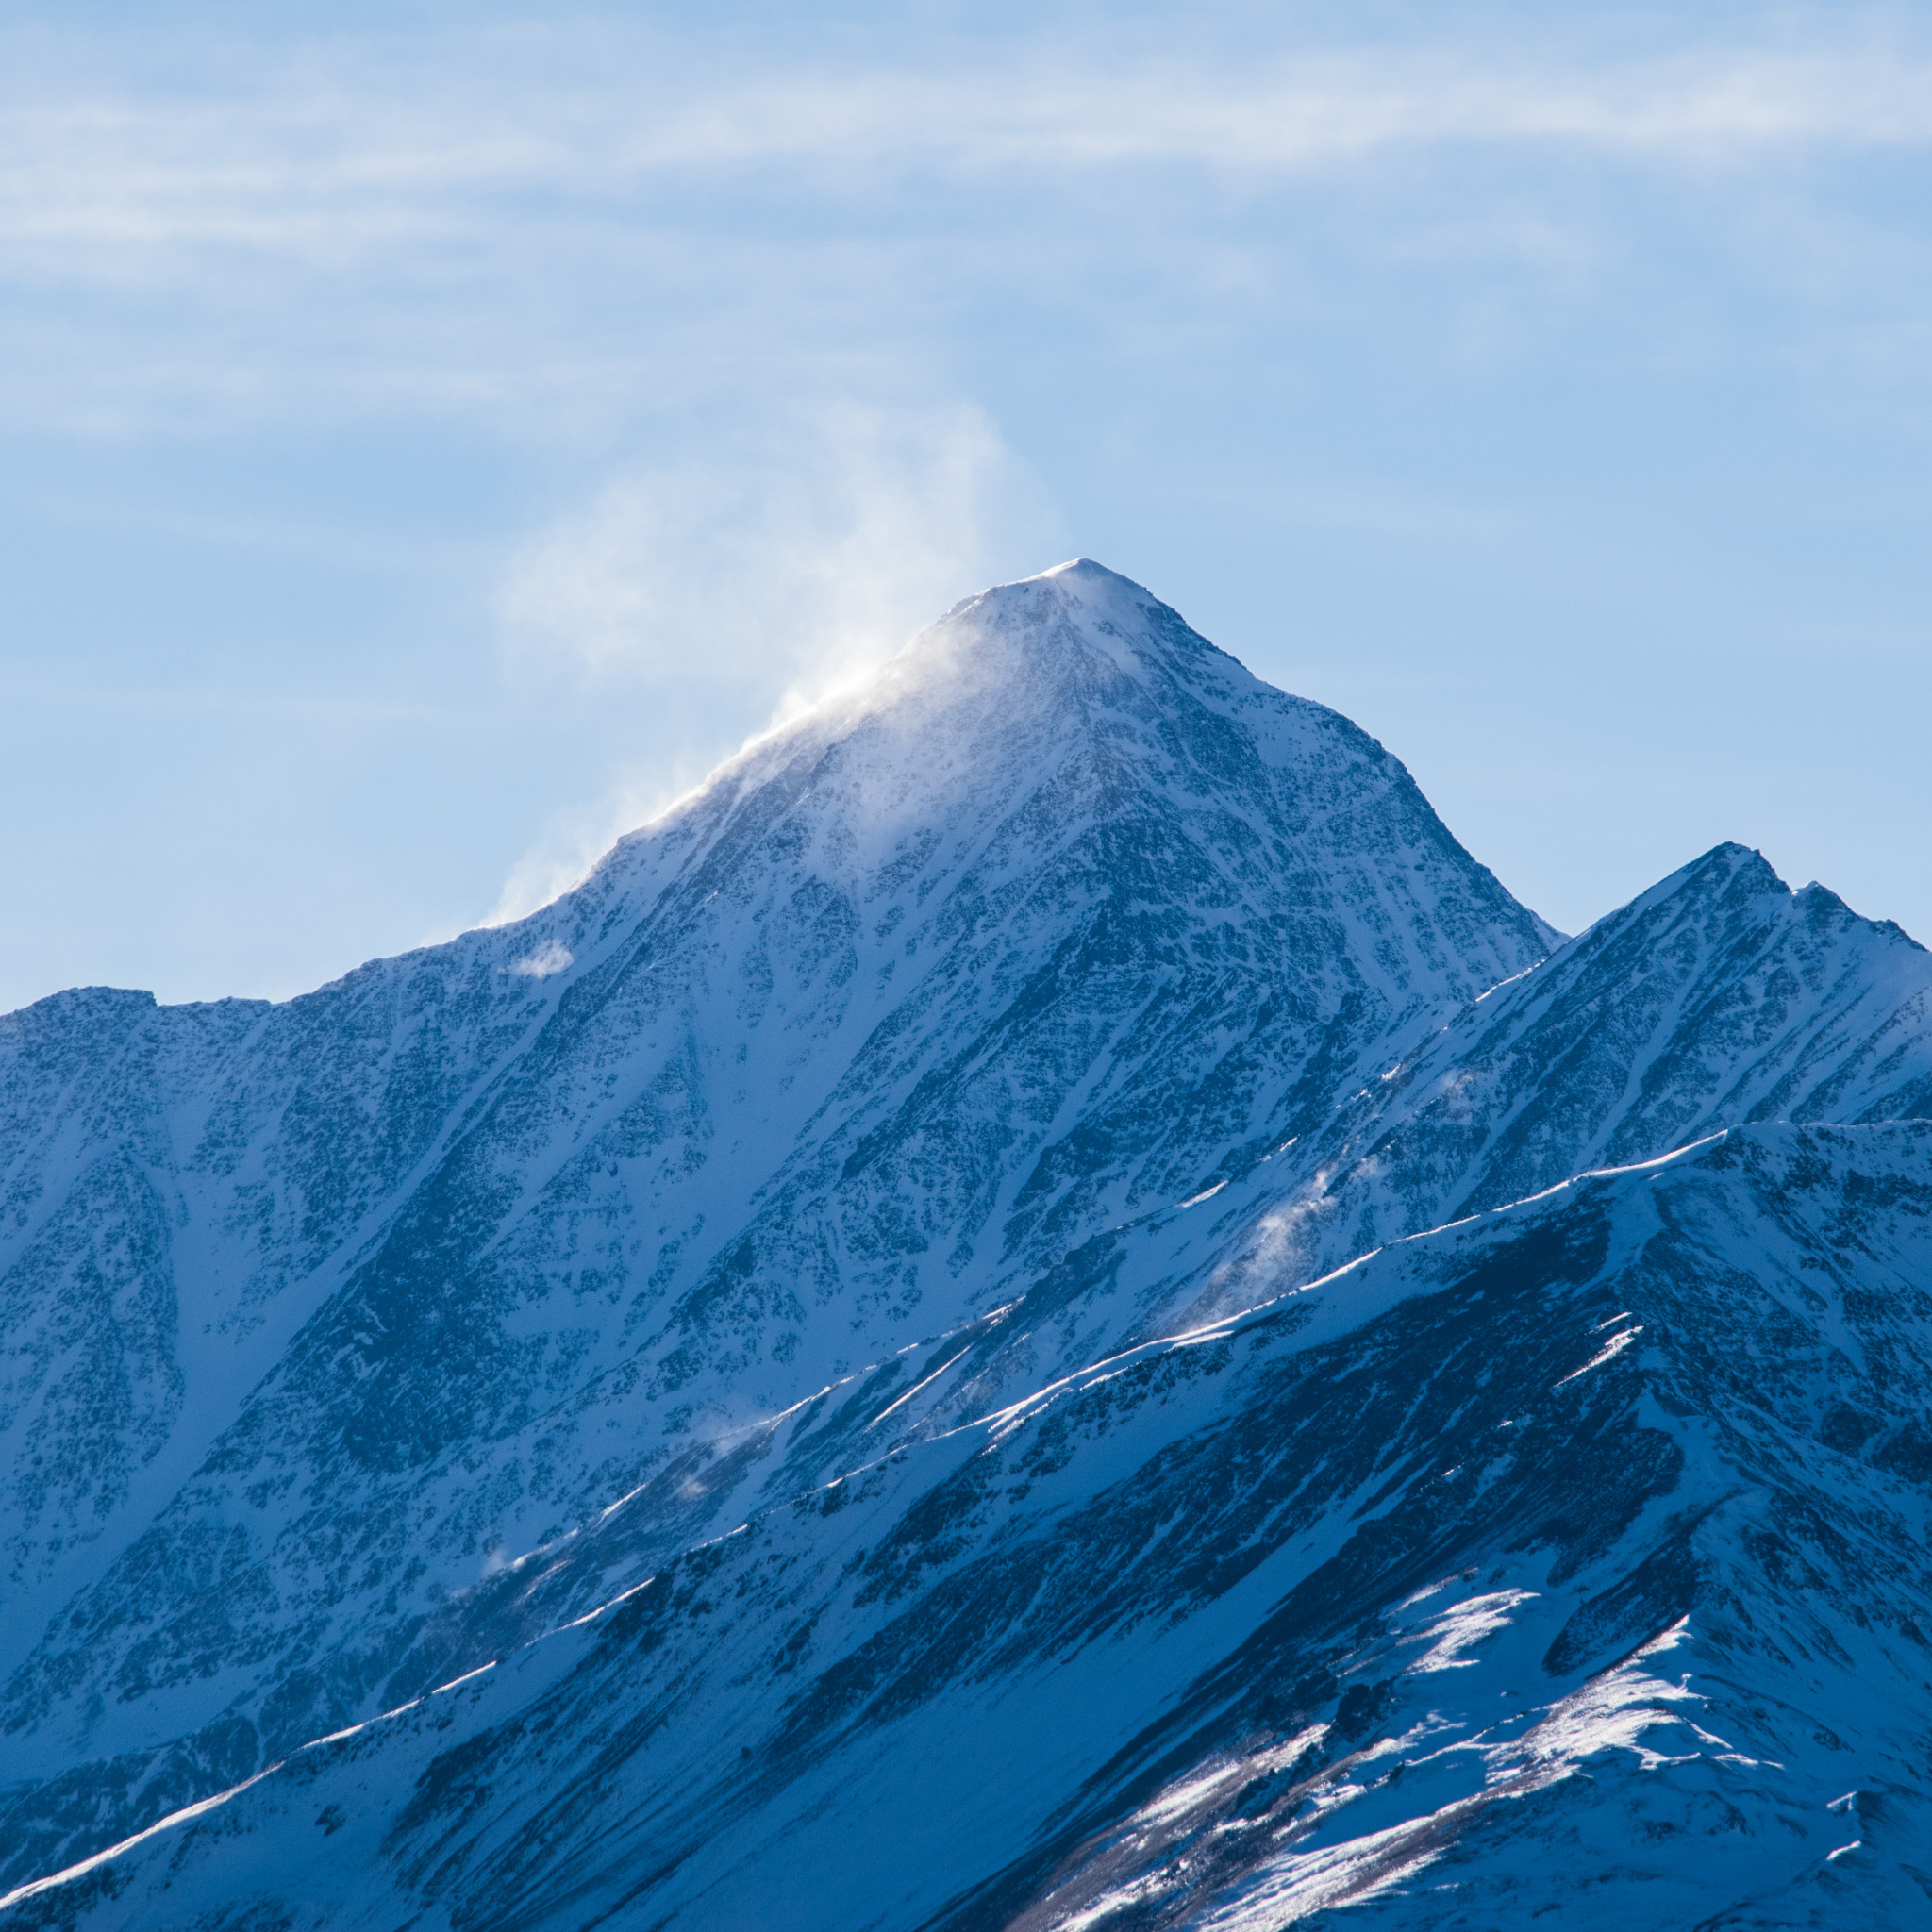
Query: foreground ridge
column 1441, row 1640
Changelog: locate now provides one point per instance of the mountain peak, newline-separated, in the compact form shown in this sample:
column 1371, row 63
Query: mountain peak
column 1077, row 610
column 1079, row 569
column 1079, row 576
column 1077, row 704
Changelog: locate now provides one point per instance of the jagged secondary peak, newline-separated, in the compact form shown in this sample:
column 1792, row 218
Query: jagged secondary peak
column 1718, row 996
column 1734, row 890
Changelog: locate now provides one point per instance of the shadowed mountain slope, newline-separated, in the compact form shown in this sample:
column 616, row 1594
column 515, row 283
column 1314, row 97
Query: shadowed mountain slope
column 1568, row 1561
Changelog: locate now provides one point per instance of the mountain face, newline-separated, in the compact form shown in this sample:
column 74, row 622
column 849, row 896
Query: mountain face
column 1042, row 1307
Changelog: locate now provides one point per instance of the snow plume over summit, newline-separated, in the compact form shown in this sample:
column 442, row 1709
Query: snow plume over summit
column 946, row 1148
column 681, row 593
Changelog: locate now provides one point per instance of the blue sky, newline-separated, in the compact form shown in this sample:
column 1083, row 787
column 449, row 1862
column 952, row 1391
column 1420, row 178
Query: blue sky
column 429, row 437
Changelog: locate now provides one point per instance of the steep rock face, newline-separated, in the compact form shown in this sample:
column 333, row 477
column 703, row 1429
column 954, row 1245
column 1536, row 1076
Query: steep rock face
column 1571, row 1562
column 314, row 1307
column 1718, row 996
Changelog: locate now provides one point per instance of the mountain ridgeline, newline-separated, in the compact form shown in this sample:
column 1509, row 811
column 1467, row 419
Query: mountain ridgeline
column 1044, row 1306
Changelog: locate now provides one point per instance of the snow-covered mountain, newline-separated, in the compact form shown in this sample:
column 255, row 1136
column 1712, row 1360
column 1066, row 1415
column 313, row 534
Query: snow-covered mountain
column 915, row 1148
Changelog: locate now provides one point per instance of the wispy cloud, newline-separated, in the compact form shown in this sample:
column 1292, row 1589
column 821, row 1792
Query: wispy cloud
column 348, row 150
column 541, row 225
column 1313, row 110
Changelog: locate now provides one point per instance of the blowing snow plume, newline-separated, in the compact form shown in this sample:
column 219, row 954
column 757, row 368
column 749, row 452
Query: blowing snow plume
column 733, row 592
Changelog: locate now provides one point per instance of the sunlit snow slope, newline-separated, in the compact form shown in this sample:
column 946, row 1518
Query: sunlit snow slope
column 915, row 1147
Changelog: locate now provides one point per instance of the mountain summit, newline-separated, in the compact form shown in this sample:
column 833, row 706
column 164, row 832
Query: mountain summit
column 833, row 1283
